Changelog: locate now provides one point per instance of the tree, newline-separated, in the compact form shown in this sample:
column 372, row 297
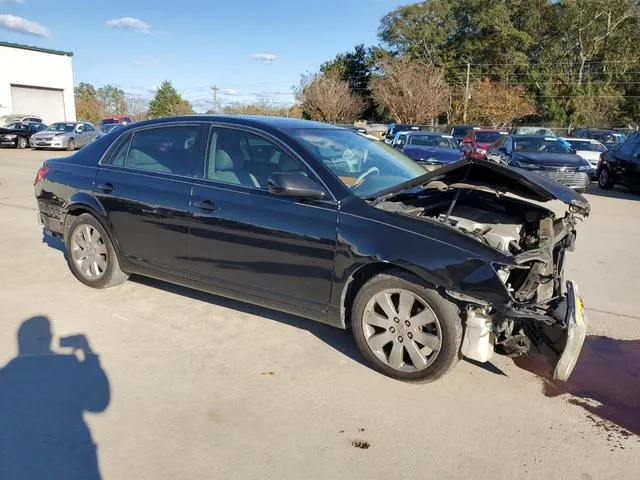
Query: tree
column 88, row 106
column 168, row 102
column 263, row 106
column 113, row 100
column 137, row 107
column 412, row 92
column 328, row 98
column 595, row 106
column 498, row 105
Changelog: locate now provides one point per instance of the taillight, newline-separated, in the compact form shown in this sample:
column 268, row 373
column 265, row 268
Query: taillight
column 41, row 174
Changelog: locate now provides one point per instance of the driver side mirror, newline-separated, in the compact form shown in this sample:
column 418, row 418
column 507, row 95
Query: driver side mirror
column 79, row 129
column 295, row 185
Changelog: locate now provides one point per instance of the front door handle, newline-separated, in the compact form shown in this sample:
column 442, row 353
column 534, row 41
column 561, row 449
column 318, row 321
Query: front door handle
column 105, row 187
column 205, row 205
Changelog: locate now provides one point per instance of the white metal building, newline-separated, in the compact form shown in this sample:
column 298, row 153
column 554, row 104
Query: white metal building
column 36, row 81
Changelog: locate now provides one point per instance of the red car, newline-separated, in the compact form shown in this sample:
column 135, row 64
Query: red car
column 119, row 119
column 476, row 143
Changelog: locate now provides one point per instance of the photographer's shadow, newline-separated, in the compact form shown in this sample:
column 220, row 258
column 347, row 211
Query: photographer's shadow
column 43, row 396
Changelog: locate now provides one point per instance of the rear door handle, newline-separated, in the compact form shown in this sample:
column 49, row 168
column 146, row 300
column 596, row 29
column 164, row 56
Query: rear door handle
column 105, row 187
column 205, row 205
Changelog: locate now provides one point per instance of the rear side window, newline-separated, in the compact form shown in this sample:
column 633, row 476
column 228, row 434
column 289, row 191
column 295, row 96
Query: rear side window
column 164, row 149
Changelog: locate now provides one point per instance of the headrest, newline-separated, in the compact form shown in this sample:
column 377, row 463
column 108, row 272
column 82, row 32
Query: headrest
column 287, row 164
column 224, row 162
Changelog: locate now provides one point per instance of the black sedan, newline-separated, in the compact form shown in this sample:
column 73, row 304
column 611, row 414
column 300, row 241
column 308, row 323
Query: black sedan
column 552, row 157
column 620, row 166
column 320, row 221
column 18, row 134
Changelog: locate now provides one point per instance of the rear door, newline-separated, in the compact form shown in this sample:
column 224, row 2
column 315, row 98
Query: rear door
column 145, row 186
column 625, row 163
column 245, row 238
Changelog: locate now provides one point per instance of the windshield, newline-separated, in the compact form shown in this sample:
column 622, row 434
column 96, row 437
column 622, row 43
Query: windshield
column 586, row 146
column 438, row 141
column 533, row 131
column 487, row 137
column 61, row 127
column 365, row 166
column 537, row 144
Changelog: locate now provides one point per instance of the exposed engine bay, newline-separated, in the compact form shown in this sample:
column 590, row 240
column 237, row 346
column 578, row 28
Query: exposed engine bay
column 536, row 239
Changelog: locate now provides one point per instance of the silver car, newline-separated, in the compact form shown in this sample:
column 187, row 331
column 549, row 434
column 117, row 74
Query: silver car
column 64, row 135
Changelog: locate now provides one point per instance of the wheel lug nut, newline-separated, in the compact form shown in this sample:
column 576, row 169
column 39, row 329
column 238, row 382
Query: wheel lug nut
column 397, row 320
column 407, row 323
column 409, row 335
column 400, row 339
column 392, row 330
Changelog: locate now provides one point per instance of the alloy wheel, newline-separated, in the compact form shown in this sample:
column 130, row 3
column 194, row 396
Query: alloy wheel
column 402, row 330
column 89, row 252
column 603, row 178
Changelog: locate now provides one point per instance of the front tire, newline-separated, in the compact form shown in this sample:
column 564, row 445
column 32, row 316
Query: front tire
column 22, row 143
column 71, row 145
column 90, row 253
column 604, row 179
column 405, row 329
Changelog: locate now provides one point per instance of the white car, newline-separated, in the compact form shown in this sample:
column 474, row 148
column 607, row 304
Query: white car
column 588, row 149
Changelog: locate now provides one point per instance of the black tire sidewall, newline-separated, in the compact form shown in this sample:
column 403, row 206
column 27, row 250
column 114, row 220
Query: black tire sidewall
column 71, row 145
column 104, row 280
column 448, row 317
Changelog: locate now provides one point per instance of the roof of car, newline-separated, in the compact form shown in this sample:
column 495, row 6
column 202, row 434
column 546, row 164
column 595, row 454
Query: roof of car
column 279, row 123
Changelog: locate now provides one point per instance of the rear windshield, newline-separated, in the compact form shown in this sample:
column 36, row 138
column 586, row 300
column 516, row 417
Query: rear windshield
column 587, row 146
column 487, row 137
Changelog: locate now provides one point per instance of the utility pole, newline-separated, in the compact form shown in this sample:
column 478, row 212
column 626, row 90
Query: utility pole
column 215, row 98
column 466, row 95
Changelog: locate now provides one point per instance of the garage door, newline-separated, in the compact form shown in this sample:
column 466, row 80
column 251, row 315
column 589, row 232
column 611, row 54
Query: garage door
column 46, row 103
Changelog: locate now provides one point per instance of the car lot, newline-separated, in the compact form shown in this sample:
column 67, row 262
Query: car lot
column 204, row 387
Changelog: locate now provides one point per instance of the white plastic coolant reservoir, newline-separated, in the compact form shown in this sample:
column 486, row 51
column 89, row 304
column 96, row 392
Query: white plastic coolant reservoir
column 477, row 343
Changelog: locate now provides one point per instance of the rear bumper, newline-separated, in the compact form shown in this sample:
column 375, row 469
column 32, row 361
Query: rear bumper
column 50, row 223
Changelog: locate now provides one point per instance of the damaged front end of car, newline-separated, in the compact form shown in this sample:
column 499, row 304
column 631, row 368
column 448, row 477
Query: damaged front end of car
column 532, row 222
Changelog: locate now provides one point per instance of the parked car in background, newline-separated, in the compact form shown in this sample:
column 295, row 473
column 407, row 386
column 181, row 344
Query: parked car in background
column 478, row 141
column 64, row 135
column 18, row 134
column 588, row 149
column 552, row 157
column 431, row 149
column 118, row 119
column 319, row 221
column 105, row 129
column 529, row 130
column 394, row 128
column 609, row 138
column 19, row 118
column 458, row 132
column 620, row 166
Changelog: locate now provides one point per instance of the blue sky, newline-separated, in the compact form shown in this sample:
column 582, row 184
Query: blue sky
column 246, row 47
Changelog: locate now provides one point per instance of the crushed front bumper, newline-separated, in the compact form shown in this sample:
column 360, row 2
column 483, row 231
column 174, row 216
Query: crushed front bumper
column 563, row 342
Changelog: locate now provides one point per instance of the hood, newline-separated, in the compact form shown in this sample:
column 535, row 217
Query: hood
column 6, row 130
column 550, row 159
column 444, row 155
column 589, row 155
column 484, row 174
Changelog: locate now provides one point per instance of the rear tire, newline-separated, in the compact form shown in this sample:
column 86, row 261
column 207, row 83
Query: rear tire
column 604, row 179
column 22, row 143
column 90, row 253
column 406, row 329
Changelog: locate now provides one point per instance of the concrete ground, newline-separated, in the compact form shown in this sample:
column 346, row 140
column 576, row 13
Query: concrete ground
column 203, row 387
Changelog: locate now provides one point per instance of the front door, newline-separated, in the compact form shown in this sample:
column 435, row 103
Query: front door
column 245, row 238
column 145, row 187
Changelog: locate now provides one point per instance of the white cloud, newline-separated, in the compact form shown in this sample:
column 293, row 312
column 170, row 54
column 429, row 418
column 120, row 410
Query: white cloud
column 22, row 25
column 130, row 23
column 230, row 91
column 145, row 61
column 264, row 57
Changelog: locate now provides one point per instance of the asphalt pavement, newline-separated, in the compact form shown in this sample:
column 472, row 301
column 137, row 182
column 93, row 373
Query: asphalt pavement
column 203, row 387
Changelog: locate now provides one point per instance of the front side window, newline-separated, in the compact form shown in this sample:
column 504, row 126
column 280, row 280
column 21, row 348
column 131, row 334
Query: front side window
column 16, row 126
column 366, row 166
column 243, row 158
column 163, row 149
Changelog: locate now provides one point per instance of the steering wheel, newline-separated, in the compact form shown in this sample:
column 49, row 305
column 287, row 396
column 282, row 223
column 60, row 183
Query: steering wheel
column 363, row 176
